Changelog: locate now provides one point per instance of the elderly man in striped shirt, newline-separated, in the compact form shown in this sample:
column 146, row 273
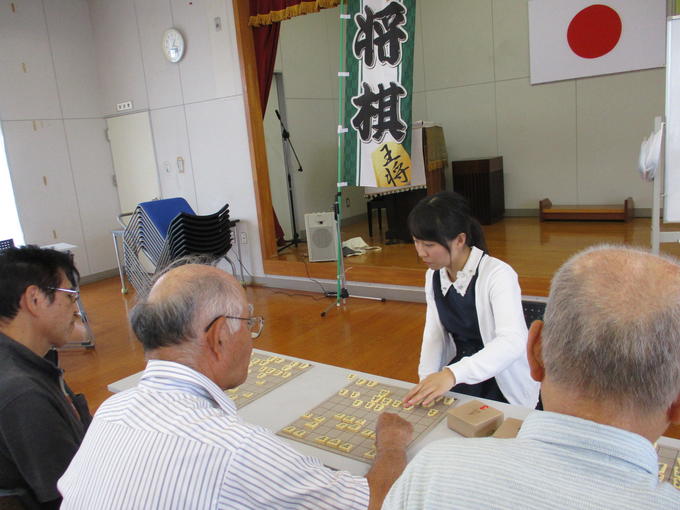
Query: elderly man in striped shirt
column 608, row 358
column 176, row 441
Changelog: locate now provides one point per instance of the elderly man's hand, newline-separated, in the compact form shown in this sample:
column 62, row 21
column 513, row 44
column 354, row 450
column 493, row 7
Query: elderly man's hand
column 392, row 432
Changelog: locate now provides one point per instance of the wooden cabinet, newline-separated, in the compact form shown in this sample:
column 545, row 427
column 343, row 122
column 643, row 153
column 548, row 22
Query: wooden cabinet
column 481, row 182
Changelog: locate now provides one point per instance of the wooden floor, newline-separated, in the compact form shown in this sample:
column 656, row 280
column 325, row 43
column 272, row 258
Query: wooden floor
column 373, row 337
column 535, row 249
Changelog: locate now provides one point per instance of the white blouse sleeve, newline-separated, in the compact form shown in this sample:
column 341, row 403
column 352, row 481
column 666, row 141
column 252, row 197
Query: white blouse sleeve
column 509, row 339
column 436, row 343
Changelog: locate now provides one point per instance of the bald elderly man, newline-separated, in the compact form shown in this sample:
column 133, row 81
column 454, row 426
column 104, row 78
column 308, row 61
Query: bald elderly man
column 608, row 359
column 176, row 440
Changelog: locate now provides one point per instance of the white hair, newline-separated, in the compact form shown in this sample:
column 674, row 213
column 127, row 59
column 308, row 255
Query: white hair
column 180, row 317
column 612, row 327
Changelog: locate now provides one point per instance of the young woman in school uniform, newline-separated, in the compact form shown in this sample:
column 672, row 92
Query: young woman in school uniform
column 475, row 335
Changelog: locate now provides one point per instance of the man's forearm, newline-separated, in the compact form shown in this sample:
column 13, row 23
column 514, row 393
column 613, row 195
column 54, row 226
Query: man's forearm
column 387, row 467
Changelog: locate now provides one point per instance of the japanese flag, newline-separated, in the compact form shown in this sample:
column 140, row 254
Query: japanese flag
column 575, row 38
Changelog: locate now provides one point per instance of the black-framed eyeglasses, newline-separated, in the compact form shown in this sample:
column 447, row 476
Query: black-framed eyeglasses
column 74, row 294
column 255, row 322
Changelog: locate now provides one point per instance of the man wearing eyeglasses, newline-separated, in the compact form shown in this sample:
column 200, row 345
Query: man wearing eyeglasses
column 176, row 440
column 41, row 422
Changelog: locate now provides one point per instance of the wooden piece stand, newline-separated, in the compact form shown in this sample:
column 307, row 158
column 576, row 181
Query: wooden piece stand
column 548, row 211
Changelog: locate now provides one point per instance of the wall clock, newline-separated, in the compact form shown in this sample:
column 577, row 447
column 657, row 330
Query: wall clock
column 173, row 45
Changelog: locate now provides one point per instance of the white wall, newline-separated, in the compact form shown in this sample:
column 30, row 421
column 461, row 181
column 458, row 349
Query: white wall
column 574, row 141
column 197, row 106
column 64, row 64
column 59, row 161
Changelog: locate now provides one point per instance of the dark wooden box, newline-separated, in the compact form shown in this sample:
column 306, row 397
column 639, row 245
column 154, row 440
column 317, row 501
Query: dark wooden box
column 481, row 182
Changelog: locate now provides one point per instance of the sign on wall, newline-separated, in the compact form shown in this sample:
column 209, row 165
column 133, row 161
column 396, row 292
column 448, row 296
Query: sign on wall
column 577, row 38
column 378, row 93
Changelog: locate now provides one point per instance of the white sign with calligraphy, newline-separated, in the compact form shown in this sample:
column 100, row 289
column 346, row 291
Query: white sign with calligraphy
column 377, row 145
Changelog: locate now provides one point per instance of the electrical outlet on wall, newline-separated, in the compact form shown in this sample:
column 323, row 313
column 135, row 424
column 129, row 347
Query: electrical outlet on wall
column 244, row 237
column 347, row 202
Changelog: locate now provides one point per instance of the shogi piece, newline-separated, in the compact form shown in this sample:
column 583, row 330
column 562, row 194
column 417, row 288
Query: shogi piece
column 474, row 419
column 508, row 429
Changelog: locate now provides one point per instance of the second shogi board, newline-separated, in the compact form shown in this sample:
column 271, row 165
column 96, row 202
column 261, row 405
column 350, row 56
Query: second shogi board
column 345, row 423
column 669, row 465
column 265, row 373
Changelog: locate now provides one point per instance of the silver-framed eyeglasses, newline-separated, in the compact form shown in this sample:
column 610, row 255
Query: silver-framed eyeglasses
column 74, row 294
column 255, row 322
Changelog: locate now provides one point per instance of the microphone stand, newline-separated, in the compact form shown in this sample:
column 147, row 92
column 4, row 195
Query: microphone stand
column 285, row 136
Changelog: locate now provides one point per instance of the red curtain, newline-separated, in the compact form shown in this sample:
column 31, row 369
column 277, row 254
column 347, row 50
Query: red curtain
column 266, row 39
column 265, row 16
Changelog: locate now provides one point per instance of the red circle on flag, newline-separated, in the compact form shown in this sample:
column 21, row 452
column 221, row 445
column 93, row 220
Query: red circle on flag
column 594, row 31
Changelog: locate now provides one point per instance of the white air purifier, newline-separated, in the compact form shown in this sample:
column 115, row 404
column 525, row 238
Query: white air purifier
column 321, row 238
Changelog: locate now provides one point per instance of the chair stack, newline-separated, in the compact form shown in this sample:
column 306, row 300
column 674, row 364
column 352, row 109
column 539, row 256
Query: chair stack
column 145, row 247
column 533, row 310
column 211, row 235
column 162, row 231
column 6, row 244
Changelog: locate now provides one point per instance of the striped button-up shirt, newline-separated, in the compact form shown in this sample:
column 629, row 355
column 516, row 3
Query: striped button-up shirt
column 556, row 461
column 176, row 441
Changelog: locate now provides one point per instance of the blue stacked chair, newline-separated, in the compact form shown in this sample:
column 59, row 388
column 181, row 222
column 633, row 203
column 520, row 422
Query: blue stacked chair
column 162, row 231
column 145, row 239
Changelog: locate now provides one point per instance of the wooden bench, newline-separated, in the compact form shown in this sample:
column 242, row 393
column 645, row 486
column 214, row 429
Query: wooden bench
column 548, row 211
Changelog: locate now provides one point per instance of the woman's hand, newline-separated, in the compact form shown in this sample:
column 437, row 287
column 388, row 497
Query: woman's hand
column 433, row 386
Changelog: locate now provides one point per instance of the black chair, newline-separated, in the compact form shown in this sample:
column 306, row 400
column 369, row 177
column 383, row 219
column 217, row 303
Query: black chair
column 191, row 234
column 533, row 310
column 6, row 244
column 52, row 356
column 17, row 499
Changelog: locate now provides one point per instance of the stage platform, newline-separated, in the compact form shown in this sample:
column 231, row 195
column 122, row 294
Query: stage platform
column 533, row 248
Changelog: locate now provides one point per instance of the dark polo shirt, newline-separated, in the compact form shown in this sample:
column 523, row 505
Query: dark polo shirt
column 40, row 429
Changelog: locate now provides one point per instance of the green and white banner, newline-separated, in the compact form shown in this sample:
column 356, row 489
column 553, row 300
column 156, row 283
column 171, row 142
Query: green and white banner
column 378, row 93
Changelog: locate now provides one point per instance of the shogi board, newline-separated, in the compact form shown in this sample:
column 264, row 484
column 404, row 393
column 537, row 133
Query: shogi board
column 265, row 373
column 669, row 465
column 345, row 423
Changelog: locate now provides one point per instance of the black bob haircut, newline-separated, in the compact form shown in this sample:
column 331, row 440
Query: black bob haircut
column 440, row 218
column 31, row 265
